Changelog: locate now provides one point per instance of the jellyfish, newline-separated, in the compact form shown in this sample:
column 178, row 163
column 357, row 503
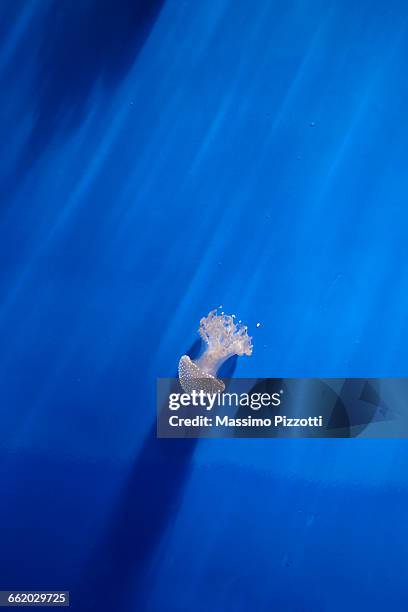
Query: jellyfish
column 224, row 338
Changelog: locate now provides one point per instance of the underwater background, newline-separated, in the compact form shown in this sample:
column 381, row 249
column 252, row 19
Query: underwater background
column 161, row 158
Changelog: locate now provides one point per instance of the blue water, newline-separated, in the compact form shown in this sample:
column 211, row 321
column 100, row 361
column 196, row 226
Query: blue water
column 161, row 158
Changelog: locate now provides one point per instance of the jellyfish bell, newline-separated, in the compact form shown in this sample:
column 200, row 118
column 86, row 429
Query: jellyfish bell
column 224, row 338
column 192, row 378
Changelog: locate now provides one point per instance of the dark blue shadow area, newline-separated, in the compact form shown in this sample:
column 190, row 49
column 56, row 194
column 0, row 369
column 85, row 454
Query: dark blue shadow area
column 148, row 504
column 82, row 44
column 51, row 515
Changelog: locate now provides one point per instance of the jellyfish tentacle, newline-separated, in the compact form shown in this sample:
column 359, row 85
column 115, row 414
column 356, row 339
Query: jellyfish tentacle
column 224, row 338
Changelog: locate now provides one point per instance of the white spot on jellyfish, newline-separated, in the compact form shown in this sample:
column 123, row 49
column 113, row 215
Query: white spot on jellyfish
column 258, row 325
column 224, row 338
